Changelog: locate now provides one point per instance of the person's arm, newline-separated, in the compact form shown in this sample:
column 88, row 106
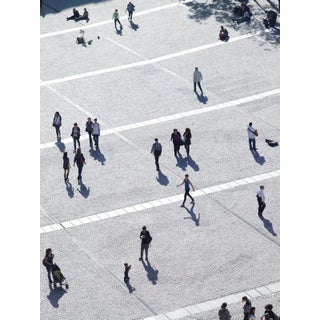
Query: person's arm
column 180, row 184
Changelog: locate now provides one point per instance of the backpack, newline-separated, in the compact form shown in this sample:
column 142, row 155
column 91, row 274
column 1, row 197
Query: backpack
column 149, row 239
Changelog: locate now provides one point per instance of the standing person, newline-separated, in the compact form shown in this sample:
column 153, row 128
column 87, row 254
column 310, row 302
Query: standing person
column 268, row 310
column 252, row 313
column 261, row 201
column 96, row 132
column 89, row 129
column 187, row 140
column 187, row 184
column 115, row 17
column 48, row 263
column 80, row 160
column 176, row 139
column 75, row 134
column 224, row 313
column 197, row 77
column 130, row 9
column 66, row 166
column 223, row 34
column 145, row 242
column 126, row 272
column 156, row 150
column 252, row 134
column 57, row 123
column 246, row 308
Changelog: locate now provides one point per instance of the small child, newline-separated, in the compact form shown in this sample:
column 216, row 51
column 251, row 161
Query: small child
column 126, row 272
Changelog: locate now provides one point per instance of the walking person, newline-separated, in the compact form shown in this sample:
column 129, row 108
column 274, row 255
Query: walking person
column 75, row 134
column 126, row 272
column 57, row 124
column 89, row 129
column 96, row 132
column 252, row 315
column 48, row 263
column 156, row 150
column 176, row 139
column 224, row 313
column 80, row 161
column 246, row 308
column 130, row 9
column 187, row 183
column 66, row 166
column 197, row 78
column 252, row 134
column 115, row 17
column 268, row 310
column 261, row 201
column 187, row 140
column 145, row 242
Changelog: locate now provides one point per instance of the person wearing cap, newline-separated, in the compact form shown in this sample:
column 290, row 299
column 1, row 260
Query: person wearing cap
column 156, row 150
column 197, row 77
column 261, row 201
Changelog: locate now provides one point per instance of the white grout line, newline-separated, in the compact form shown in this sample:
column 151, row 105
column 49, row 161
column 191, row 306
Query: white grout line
column 215, row 303
column 150, row 204
column 98, row 24
column 146, row 61
column 162, row 119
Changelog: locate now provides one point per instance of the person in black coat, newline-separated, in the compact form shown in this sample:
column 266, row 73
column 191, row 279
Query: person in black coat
column 187, row 140
column 145, row 242
column 75, row 134
column 80, row 161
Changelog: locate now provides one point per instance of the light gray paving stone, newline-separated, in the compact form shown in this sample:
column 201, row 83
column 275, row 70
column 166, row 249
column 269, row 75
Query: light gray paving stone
column 253, row 293
column 274, row 287
column 177, row 314
column 264, row 290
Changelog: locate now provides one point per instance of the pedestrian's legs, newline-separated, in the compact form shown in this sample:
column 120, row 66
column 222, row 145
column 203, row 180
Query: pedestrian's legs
column 146, row 250
column 200, row 87
column 49, row 275
column 250, row 144
column 96, row 140
column 90, row 138
column 188, row 194
column 79, row 172
column 254, row 144
column 194, row 87
column 185, row 197
column 144, row 247
column 187, row 146
column 74, row 144
column 57, row 131
column 156, row 157
column 78, row 139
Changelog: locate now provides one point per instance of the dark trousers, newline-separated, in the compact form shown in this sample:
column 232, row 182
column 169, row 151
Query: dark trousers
column 186, row 193
column 156, row 158
column 90, row 138
column 96, row 140
column 144, row 247
column 252, row 144
column 80, row 167
column 187, row 146
column 126, row 275
column 130, row 15
column 246, row 316
column 176, row 147
column 58, row 130
column 75, row 139
column 49, row 274
column 115, row 23
column 194, row 86
column 261, row 207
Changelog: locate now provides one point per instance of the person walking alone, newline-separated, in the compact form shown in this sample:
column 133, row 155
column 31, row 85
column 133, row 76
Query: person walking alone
column 80, row 161
column 187, row 140
column 176, row 139
column 130, row 9
column 48, row 263
column 261, row 201
column 197, row 78
column 96, row 133
column 156, row 150
column 89, row 129
column 115, row 17
column 75, row 134
column 224, row 313
column 246, row 308
column 57, row 124
column 66, row 166
column 126, row 272
column 252, row 134
column 187, row 183
column 145, row 242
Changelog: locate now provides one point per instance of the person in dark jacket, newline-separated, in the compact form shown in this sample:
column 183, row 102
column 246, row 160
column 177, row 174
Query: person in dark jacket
column 75, row 15
column 126, row 272
column 268, row 310
column 89, row 129
column 246, row 308
column 48, row 262
column 75, row 134
column 130, row 9
column 224, row 313
column 223, row 34
column 66, row 166
column 176, row 139
column 57, row 123
column 187, row 140
column 80, row 161
column 145, row 242
column 156, row 150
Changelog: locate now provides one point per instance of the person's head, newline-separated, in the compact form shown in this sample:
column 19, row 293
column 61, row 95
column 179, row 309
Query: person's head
column 85, row 9
column 89, row 119
column 116, row 10
column 186, row 176
column 65, row 154
column 252, row 310
column 269, row 306
column 78, row 151
column 125, row 264
column 156, row 139
column 144, row 228
column 75, row 124
column 224, row 305
column 250, row 124
column 95, row 120
column 245, row 299
column 48, row 251
column 196, row 68
column 188, row 130
column 262, row 188
column 57, row 113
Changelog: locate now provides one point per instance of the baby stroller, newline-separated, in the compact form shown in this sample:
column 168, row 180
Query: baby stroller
column 58, row 277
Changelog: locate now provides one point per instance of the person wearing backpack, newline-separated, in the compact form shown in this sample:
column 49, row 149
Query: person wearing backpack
column 48, row 262
column 145, row 242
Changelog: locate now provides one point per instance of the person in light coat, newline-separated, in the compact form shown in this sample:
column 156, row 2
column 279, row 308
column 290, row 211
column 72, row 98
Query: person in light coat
column 197, row 77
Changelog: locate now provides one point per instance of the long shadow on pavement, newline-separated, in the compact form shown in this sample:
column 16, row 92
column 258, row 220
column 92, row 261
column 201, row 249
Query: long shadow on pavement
column 134, row 26
column 181, row 162
column 162, row 179
column 259, row 159
column 98, row 155
column 130, row 288
column 193, row 164
column 203, row 99
column 55, row 295
column 84, row 190
column 70, row 189
column 152, row 273
column 193, row 216
column 268, row 225
column 61, row 146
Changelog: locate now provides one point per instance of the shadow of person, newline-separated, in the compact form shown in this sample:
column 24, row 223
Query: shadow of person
column 97, row 155
column 268, row 225
column 130, row 288
column 193, row 216
column 84, row 191
column 259, row 159
column 119, row 31
column 192, row 164
column 134, row 26
column 181, row 162
column 70, row 189
column 162, row 179
column 152, row 273
column 61, row 145
column 55, row 295
column 203, row 99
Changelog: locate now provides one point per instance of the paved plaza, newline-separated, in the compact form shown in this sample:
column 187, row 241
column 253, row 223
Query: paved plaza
column 138, row 83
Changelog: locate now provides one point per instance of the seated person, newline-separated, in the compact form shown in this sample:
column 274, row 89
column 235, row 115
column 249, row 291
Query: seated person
column 270, row 20
column 85, row 16
column 223, row 35
column 75, row 16
column 246, row 17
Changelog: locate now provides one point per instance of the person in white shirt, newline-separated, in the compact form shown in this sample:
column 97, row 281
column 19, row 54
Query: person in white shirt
column 252, row 133
column 197, row 77
column 261, row 201
column 156, row 150
column 96, row 133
